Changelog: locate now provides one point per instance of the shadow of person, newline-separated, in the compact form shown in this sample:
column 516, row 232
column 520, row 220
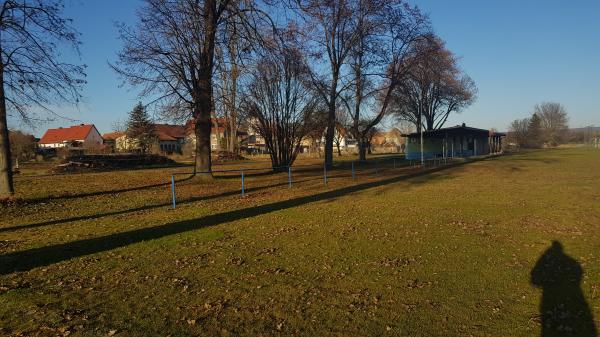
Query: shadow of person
column 563, row 308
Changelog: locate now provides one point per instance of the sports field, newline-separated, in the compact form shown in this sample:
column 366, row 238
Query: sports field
column 443, row 251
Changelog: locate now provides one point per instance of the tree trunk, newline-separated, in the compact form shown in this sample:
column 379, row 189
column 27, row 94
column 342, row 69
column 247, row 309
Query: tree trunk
column 362, row 150
column 6, row 179
column 202, row 131
column 202, row 117
column 203, row 98
column 329, row 134
column 331, row 121
column 233, row 145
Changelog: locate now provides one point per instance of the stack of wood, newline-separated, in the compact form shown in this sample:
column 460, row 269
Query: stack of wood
column 228, row 156
column 79, row 163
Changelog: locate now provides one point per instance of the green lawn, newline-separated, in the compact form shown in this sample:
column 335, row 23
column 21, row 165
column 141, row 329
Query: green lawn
column 439, row 252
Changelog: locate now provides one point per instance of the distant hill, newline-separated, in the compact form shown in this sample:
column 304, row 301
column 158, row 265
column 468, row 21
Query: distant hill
column 587, row 128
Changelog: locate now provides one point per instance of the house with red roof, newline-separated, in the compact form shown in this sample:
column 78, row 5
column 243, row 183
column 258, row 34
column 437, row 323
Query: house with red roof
column 110, row 139
column 169, row 139
column 82, row 136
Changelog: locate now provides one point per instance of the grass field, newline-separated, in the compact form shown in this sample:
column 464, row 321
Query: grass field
column 445, row 251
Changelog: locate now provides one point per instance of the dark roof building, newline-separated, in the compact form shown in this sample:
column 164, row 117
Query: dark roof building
column 456, row 141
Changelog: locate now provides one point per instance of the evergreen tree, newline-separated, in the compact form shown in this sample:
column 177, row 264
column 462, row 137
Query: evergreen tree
column 534, row 131
column 140, row 128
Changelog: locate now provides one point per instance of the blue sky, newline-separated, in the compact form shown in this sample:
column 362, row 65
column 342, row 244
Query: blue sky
column 518, row 52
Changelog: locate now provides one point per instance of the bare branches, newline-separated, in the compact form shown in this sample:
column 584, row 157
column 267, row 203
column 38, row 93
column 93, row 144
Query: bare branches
column 170, row 55
column 31, row 73
column 34, row 77
column 279, row 104
column 380, row 61
column 435, row 86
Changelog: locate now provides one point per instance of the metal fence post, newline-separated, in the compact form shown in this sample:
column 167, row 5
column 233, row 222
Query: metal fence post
column 243, row 188
column 353, row 173
column 325, row 173
column 173, row 191
column 290, row 176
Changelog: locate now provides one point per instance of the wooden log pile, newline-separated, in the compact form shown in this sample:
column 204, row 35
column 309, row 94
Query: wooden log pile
column 78, row 163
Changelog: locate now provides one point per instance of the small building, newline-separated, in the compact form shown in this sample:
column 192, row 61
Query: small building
column 388, row 141
column 169, row 139
column 83, row 136
column 456, row 141
column 218, row 134
column 110, row 139
column 342, row 139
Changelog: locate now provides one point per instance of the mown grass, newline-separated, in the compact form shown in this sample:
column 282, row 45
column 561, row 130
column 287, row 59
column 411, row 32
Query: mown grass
column 441, row 252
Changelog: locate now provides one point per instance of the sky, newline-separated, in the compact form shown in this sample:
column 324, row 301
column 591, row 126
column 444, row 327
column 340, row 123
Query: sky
column 518, row 52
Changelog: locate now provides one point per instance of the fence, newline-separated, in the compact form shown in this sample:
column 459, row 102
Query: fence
column 354, row 166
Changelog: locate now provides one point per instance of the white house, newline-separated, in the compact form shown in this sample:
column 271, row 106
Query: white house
column 169, row 139
column 81, row 136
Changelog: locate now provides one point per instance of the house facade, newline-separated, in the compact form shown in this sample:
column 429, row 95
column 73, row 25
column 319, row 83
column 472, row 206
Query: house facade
column 110, row 140
column 388, row 141
column 83, row 136
column 218, row 134
column 457, row 141
column 169, row 139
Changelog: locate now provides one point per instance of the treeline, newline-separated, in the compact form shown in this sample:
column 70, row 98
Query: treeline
column 289, row 69
column 326, row 64
column 547, row 127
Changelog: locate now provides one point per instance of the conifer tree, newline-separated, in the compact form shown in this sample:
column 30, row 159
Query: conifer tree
column 140, row 128
column 534, row 131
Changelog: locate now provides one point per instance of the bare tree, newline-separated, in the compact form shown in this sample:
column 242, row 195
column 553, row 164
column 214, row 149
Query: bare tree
column 435, row 88
column 31, row 74
column 380, row 61
column 331, row 31
column 518, row 132
column 229, row 72
column 341, row 132
column 554, row 122
column 118, row 125
column 22, row 145
column 279, row 103
column 170, row 53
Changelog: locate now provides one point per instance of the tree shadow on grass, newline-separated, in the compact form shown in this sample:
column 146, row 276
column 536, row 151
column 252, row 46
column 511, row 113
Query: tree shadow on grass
column 303, row 170
column 43, row 256
column 98, row 193
column 563, row 308
column 148, row 207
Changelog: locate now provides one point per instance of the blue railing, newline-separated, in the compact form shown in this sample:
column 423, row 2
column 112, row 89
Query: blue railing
column 353, row 164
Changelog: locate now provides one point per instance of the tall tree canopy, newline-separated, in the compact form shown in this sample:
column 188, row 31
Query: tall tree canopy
column 357, row 48
column 170, row 53
column 554, row 122
column 279, row 104
column 32, row 74
column 380, row 61
column 140, row 128
column 534, row 132
column 330, row 29
column 435, row 88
